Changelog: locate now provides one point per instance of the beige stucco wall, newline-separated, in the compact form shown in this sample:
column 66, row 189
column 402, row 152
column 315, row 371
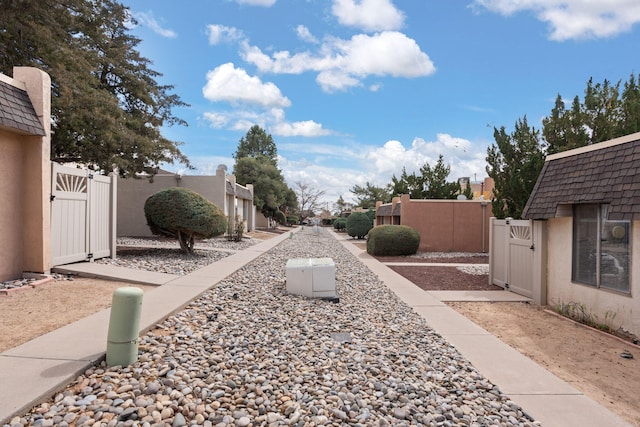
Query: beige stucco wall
column 25, row 182
column 11, row 206
column 132, row 194
column 560, row 289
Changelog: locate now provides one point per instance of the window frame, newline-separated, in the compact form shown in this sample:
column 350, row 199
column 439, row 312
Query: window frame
column 582, row 271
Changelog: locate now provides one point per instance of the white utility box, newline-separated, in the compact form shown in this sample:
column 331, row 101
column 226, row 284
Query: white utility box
column 312, row 277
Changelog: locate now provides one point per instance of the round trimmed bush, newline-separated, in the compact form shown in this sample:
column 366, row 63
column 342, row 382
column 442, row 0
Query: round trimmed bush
column 184, row 214
column 358, row 225
column 393, row 240
column 340, row 224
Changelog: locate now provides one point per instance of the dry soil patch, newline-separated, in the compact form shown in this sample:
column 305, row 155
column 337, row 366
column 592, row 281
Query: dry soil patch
column 589, row 360
column 32, row 312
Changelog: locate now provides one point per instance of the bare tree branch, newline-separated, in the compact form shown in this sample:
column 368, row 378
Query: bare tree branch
column 308, row 198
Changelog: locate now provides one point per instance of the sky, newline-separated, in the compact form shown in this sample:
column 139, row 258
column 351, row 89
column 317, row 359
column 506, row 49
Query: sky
column 352, row 91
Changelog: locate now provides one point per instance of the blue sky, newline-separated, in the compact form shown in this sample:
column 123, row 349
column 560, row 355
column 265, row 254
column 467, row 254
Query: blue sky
column 352, row 91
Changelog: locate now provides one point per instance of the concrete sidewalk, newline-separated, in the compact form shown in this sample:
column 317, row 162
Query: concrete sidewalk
column 32, row 372
column 541, row 394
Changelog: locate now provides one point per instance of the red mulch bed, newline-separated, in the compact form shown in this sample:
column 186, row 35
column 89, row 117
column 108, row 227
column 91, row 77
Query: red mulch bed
column 445, row 279
column 460, row 260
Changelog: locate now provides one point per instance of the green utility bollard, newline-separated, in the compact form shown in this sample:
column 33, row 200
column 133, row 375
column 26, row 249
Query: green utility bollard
column 124, row 326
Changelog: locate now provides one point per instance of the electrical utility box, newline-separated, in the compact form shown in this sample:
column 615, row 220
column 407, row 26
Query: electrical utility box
column 312, row 277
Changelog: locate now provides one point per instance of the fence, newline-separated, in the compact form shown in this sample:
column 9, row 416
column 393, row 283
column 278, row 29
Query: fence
column 517, row 257
column 82, row 215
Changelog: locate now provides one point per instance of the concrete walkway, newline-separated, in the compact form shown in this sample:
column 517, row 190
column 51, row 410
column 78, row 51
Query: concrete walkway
column 32, row 372
column 541, row 394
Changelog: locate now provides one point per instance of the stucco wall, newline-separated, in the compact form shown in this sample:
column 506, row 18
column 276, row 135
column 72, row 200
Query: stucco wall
column 560, row 289
column 25, row 182
column 132, row 194
column 11, row 218
column 448, row 225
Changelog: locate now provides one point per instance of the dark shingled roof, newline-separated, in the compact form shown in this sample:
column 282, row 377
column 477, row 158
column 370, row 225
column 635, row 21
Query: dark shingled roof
column 388, row 210
column 17, row 112
column 243, row 192
column 384, row 210
column 229, row 188
column 609, row 173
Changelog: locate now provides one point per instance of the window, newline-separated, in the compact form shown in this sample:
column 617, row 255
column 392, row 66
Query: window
column 601, row 250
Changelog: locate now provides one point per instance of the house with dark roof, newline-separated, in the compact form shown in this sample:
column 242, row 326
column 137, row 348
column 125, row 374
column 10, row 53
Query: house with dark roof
column 590, row 200
column 25, row 172
column 235, row 200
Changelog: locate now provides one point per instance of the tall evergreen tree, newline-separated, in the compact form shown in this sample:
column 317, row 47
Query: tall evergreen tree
column 413, row 185
column 107, row 108
column 602, row 110
column 435, row 181
column 630, row 107
column 257, row 143
column 514, row 162
column 369, row 194
column 270, row 191
column 256, row 163
column 605, row 113
column 565, row 129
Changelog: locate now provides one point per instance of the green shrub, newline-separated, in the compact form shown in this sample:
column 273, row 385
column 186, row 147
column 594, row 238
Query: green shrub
column 184, row 214
column 293, row 220
column 235, row 229
column 394, row 240
column 358, row 225
column 340, row 224
column 280, row 218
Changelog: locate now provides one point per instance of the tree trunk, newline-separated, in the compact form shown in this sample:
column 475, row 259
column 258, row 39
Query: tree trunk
column 186, row 242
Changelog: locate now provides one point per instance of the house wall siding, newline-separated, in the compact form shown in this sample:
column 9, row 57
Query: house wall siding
column 597, row 301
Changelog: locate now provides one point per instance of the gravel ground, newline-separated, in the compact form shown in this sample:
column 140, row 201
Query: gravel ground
column 247, row 354
column 164, row 256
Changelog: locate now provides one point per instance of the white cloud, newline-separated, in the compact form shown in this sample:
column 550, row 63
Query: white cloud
column 234, row 85
column 147, row 19
column 307, row 128
column 305, row 35
column 217, row 120
column 464, row 158
column 337, row 170
column 341, row 64
column 223, row 34
column 574, row 19
column 208, row 165
column 253, row 102
column 265, row 3
column 322, row 165
column 368, row 15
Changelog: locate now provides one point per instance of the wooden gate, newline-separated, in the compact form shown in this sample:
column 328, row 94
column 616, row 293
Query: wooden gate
column 511, row 255
column 82, row 215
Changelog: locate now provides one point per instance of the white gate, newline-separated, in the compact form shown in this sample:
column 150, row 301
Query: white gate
column 511, row 255
column 82, row 215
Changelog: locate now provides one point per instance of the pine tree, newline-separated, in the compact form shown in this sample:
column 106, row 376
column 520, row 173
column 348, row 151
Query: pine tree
column 256, row 163
column 257, row 143
column 107, row 108
column 514, row 162
column 435, row 181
